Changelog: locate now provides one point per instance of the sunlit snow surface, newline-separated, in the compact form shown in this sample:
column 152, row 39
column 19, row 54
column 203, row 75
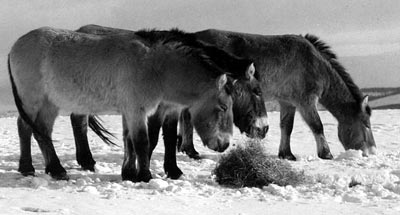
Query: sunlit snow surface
column 103, row 192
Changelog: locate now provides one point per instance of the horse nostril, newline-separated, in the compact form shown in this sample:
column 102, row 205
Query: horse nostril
column 223, row 144
column 224, row 147
column 266, row 128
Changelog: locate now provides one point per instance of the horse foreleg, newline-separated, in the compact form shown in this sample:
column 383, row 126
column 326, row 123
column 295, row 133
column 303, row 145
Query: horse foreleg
column 153, row 125
column 25, row 161
column 129, row 164
column 83, row 155
column 170, row 136
column 139, row 139
column 287, row 112
column 186, row 135
column 311, row 117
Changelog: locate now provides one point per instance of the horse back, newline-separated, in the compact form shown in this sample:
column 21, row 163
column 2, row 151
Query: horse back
column 288, row 65
column 102, row 30
column 65, row 66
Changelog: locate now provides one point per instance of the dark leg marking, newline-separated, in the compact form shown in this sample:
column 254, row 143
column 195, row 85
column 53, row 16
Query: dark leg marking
column 83, row 155
column 170, row 136
column 129, row 164
column 25, row 161
column 287, row 112
column 153, row 125
column 186, row 132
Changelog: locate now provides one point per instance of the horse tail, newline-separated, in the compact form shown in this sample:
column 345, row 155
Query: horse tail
column 20, row 108
column 98, row 128
column 331, row 58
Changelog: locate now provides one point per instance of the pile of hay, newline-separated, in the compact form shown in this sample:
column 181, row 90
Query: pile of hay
column 250, row 166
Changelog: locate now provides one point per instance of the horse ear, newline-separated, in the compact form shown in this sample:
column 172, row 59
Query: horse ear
column 221, row 81
column 234, row 82
column 251, row 70
column 364, row 104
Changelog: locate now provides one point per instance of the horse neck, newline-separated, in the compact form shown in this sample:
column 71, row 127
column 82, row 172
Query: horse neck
column 185, row 80
column 338, row 99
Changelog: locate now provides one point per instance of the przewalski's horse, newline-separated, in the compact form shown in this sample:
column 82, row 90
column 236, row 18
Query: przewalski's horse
column 249, row 109
column 299, row 72
column 52, row 69
column 250, row 115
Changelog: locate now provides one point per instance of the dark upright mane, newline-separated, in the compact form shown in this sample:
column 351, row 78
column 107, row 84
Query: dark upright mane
column 331, row 57
column 209, row 54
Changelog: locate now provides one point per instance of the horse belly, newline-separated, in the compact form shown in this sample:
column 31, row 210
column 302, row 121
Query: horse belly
column 78, row 100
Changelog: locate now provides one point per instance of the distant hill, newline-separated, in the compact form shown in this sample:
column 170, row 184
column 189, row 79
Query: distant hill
column 380, row 92
column 374, row 71
column 383, row 98
column 379, row 98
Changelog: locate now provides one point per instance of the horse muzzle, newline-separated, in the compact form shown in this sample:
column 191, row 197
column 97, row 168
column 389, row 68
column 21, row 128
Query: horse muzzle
column 220, row 143
column 259, row 129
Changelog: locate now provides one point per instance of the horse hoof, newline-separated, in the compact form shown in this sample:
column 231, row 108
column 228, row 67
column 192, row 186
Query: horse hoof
column 29, row 173
column 190, row 151
column 60, row 176
column 26, row 170
column 57, row 172
column 128, row 175
column 87, row 165
column 144, row 176
column 326, row 156
column 192, row 154
column 174, row 173
column 287, row 156
column 88, row 168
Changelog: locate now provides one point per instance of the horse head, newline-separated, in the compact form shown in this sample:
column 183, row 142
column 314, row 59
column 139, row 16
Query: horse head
column 355, row 131
column 249, row 112
column 213, row 117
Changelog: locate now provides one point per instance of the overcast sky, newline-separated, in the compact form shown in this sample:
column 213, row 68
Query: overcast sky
column 351, row 27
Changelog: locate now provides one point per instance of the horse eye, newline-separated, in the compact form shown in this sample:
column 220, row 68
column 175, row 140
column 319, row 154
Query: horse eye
column 257, row 91
column 223, row 108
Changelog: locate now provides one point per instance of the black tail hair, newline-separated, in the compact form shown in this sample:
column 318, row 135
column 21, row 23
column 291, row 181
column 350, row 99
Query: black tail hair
column 98, row 128
column 20, row 108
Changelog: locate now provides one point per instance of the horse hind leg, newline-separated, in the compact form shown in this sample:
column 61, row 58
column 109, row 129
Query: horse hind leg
column 311, row 117
column 287, row 112
column 185, row 139
column 170, row 136
column 83, row 155
column 25, row 135
column 44, row 122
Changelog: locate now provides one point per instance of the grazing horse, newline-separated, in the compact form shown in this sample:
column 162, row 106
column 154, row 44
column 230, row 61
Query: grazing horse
column 299, row 72
column 54, row 69
column 248, row 104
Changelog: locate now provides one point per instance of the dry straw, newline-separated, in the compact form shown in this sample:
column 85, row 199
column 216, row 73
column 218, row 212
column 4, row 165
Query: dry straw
column 250, row 166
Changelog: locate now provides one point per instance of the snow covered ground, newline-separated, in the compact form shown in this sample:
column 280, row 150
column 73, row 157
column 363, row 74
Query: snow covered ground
column 196, row 192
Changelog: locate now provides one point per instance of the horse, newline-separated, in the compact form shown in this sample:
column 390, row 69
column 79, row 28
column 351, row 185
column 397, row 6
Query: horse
column 299, row 71
column 54, row 69
column 248, row 105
